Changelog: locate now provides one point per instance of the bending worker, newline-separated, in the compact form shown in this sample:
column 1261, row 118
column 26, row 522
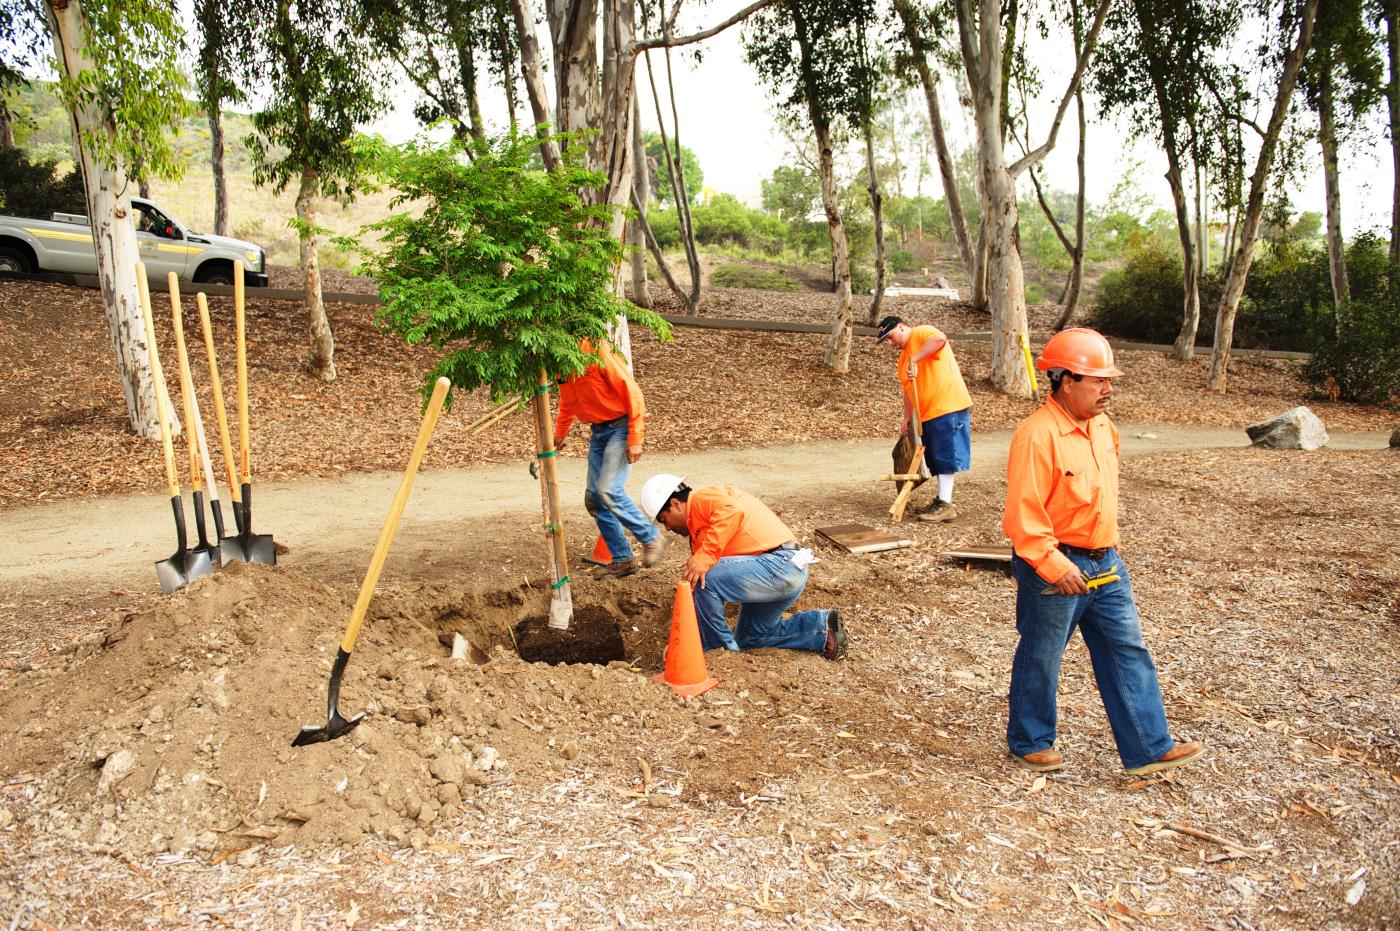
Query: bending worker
column 926, row 363
column 607, row 398
column 741, row 552
column 1062, row 518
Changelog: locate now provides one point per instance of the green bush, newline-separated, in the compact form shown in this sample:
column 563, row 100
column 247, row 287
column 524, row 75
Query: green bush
column 33, row 188
column 1360, row 361
column 1142, row 300
column 903, row 261
column 751, row 276
column 862, row 279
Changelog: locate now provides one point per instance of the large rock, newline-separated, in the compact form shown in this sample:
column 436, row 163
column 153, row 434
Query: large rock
column 1395, row 439
column 1299, row 428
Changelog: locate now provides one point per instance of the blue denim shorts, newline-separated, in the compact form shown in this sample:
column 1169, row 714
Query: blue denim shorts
column 948, row 442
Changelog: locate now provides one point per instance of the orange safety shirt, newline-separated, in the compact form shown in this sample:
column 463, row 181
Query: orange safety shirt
column 724, row 521
column 605, row 391
column 940, row 381
column 1061, row 487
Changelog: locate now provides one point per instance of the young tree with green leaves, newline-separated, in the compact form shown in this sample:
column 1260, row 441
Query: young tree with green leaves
column 215, row 85
column 320, row 77
column 124, row 93
column 508, row 266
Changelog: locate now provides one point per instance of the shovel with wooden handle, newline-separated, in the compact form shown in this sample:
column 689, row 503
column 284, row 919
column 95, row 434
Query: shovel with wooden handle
column 192, row 427
column 183, row 566
column 247, row 546
column 915, row 461
column 336, row 724
column 221, row 418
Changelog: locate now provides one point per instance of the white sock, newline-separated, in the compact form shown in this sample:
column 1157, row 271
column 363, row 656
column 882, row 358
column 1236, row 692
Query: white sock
column 945, row 487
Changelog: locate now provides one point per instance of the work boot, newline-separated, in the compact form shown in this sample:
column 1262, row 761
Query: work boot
column 836, row 639
column 1179, row 755
column 619, row 568
column 938, row 512
column 651, row 552
column 1041, row 761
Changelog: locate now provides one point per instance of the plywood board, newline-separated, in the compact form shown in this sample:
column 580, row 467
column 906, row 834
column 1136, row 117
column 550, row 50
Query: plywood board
column 990, row 553
column 858, row 538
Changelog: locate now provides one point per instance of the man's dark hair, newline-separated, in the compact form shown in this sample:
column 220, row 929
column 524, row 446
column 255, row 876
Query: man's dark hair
column 1057, row 377
column 682, row 493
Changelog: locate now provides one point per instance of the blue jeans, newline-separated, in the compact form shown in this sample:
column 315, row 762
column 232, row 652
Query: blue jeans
column 763, row 586
column 605, row 494
column 1107, row 618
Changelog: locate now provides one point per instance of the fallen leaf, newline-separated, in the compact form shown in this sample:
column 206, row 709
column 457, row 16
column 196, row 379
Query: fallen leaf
column 1355, row 893
column 1037, row 785
column 352, row 916
column 846, row 734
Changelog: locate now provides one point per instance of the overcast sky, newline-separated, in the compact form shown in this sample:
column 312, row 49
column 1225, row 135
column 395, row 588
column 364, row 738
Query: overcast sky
column 727, row 119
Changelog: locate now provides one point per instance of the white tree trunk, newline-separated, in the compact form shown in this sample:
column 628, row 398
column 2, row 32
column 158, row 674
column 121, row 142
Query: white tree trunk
column 216, row 160
column 1336, row 249
column 532, row 70
column 321, row 359
column 108, row 196
column 838, row 347
column 636, row 239
column 1216, row 378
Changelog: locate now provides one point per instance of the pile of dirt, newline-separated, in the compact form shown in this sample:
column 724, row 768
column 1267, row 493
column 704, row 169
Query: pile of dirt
column 171, row 729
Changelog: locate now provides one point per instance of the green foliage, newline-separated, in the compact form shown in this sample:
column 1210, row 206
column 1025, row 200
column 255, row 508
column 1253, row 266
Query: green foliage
column 722, row 221
column 505, row 263
column 751, row 276
column 135, row 82
column 793, row 193
column 862, row 279
column 660, row 177
column 1360, row 359
column 34, row 188
column 902, row 261
column 1143, row 299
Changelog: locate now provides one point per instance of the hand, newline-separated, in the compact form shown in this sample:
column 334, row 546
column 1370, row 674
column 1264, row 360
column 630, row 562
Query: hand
column 559, row 443
column 692, row 573
column 904, row 427
column 1072, row 583
column 912, row 371
column 634, row 453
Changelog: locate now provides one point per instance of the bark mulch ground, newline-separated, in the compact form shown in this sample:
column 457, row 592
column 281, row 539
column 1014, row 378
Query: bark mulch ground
column 63, row 427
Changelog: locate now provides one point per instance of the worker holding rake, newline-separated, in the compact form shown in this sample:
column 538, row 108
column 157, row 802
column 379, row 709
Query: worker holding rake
column 929, row 373
column 1062, row 518
column 607, row 398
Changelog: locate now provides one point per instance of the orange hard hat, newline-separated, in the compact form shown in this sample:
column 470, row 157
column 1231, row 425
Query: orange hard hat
column 1080, row 350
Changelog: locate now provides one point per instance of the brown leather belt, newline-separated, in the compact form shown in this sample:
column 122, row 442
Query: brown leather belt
column 1083, row 551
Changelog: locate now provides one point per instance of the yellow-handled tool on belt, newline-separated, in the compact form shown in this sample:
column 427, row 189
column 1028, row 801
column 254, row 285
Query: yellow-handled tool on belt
column 1091, row 583
column 336, row 724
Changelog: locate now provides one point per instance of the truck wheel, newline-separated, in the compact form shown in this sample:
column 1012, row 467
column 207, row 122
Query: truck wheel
column 219, row 274
column 12, row 260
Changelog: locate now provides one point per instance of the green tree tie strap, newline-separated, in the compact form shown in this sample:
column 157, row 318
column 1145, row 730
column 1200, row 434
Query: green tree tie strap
column 547, row 454
column 560, row 584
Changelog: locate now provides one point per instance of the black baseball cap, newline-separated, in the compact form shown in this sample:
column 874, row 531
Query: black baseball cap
column 887, row 326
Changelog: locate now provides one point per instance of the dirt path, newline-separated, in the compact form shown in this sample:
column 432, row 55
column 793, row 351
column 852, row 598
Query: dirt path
column 330, row 525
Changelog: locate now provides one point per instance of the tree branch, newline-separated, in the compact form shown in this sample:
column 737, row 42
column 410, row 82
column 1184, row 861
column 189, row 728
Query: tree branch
column 1030, row 158
column 1235, row 115
column 666, row 42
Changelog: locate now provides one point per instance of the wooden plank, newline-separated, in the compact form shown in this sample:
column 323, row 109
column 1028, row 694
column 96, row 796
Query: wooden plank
column 989, row 553
column 857, row 538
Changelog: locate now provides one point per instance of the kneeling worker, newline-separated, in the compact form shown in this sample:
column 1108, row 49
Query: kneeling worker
column 1062, row 519
column 741, row 552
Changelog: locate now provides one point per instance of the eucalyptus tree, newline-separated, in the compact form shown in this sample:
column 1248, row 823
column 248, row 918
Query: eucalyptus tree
column 1163, row 68
column 1388, row 12
column 216, row 84
column 319, row 75
column 808, row 53
column 924, row 29
column 447, row 48
column 983, row 40
column 22, row 34
column 1296, row 19
column 1341, row 82
column 123, row 91
column 873, row 68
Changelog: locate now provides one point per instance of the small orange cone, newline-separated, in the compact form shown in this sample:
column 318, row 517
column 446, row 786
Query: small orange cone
column 685, row 659
column 600, row 555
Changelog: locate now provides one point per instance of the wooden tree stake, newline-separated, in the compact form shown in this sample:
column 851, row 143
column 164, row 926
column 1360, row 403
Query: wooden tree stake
column 561, row 605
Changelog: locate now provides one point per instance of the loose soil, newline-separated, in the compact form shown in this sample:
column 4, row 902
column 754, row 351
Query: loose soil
column 150, row 778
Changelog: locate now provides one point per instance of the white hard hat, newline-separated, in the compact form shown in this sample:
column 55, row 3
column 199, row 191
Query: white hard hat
column 657, row 491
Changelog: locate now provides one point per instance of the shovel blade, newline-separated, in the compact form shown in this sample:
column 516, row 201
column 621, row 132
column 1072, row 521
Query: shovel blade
column 336, row 726
column 181, row 569
column 249, row 547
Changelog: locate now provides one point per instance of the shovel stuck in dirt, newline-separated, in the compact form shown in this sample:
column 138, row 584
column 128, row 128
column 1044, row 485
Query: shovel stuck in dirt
column 247, row 546
column 194, row 432
column 183, row 566
column 336, row 724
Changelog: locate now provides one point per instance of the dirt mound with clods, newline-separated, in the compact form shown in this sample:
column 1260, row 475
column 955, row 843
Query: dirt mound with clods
column 171, row 729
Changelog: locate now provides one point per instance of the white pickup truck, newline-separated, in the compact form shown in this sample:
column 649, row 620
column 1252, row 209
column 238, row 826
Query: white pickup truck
column 64, row 244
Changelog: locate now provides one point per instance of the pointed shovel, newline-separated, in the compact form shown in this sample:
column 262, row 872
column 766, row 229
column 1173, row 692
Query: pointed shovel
column 183, row 566
column 221, row 418
column 194, row 431
column 247, row 546
column 336, row 724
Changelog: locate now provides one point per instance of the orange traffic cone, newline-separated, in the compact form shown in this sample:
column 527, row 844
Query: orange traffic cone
column 685, row 659
column 600, row 555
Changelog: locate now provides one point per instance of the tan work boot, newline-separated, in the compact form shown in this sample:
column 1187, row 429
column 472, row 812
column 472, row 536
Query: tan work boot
column 1041, row 761
column 618, row 568
column 939, row 512
column 651, row 552
column 1178, row 755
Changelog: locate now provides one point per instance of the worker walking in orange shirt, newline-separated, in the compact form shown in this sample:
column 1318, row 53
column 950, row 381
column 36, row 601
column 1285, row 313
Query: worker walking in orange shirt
column 741, row 552
column 1062, row 519
column 607, row 398
column 926, row 361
